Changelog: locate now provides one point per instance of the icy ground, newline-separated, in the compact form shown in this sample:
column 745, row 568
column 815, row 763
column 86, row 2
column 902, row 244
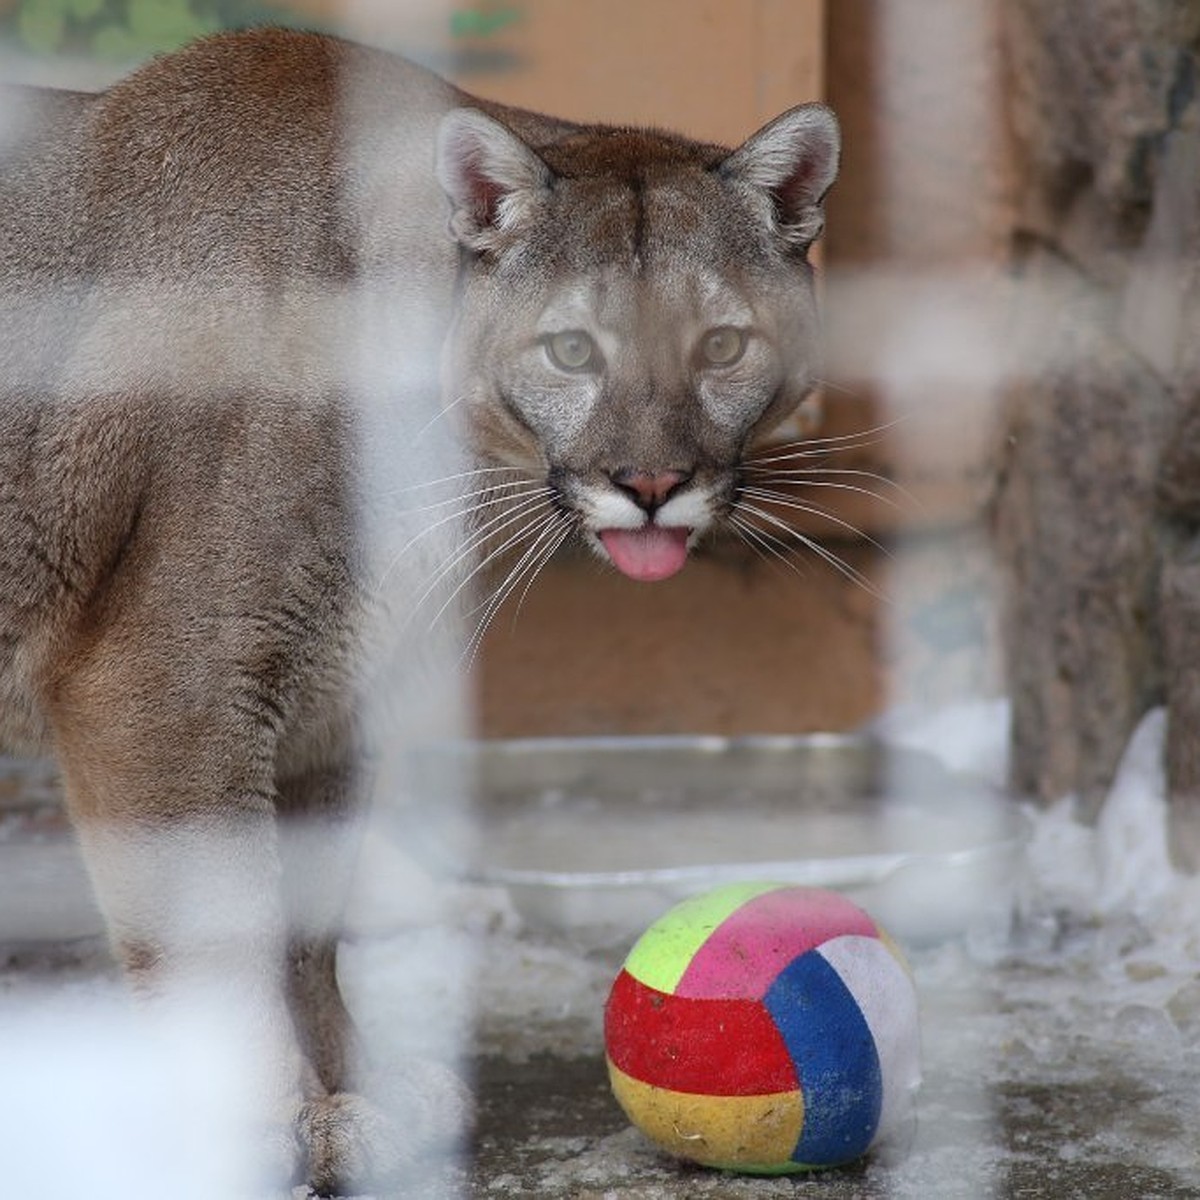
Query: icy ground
column 1061, row 1050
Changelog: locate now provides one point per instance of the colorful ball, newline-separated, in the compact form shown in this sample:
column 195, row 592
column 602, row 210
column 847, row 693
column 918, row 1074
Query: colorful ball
column 765, row 1028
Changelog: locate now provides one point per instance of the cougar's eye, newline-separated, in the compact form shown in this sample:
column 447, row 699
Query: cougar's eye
column 722, row 347
column 572, row 350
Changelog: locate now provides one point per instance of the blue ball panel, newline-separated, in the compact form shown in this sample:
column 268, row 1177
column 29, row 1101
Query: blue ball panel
column 836, row 1060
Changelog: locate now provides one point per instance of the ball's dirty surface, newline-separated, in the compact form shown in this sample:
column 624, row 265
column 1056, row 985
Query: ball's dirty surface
column 765, row 1028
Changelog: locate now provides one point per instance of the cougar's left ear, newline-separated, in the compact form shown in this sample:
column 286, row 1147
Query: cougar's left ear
column 492, row 177
column 793, row 160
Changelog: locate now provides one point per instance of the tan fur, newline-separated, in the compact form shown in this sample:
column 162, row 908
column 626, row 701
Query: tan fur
column 188, row 263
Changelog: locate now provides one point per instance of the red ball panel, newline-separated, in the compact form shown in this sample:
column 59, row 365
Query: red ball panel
column 707, row 1047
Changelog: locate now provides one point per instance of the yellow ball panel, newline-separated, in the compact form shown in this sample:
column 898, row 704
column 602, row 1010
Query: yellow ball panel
column 756, row 1134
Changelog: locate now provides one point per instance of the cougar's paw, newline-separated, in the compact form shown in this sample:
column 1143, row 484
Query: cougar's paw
column 351, row 1145
column 423, row 1113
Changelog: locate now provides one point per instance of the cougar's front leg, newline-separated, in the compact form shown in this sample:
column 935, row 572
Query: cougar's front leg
column 348, row 1141
column 193, row 907
column 319, row 843
column 426, row 1108
column 172, row 792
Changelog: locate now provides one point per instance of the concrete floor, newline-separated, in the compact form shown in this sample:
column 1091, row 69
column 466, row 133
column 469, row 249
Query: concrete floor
column 1037, row 1087
column 549, row 1128
column 1061, row 1054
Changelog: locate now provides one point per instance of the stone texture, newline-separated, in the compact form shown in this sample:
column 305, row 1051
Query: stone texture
column 1181, row 625
column 1099, row 497
column 1075, row 527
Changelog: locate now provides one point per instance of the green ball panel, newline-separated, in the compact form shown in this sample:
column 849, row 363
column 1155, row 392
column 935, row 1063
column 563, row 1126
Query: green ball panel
column 662, row 954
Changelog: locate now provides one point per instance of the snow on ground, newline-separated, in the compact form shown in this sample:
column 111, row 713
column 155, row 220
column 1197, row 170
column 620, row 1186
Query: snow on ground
column 1089, row 997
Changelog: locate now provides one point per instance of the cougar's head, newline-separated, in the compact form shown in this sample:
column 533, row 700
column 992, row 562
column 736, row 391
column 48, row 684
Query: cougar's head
column 635, row 309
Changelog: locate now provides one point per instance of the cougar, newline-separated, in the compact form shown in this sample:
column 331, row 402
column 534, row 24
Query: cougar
column 234, row 286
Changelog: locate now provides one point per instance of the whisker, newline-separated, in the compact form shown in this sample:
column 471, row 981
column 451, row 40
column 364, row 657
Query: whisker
column 817, row 447
column 567, row 525
column 766, row 545
column 535, row 529
column 806, row 473
column 487, row 497
column 800, row 479
column 479, row 538
column 475, row 472
column 547, row 536
column 800, row 452
column 829, row 386
column 797, row 451
column 870, row 431
column 478, row 568
column 843, row 568
column 553, row 532
column 484, row 498
column 441, row 414
column 814, row 510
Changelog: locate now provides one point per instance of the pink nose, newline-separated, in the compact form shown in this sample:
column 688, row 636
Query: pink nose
column 649, row 489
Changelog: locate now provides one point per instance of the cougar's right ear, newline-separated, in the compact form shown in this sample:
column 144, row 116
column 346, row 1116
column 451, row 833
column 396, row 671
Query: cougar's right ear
column 493, row 179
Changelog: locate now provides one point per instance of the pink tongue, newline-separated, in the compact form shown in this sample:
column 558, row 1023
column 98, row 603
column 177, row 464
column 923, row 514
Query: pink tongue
column 647, row 554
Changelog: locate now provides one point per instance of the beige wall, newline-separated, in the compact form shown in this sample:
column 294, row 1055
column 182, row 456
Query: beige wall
column 733, row 644
column 709, row 68
column 715, row 69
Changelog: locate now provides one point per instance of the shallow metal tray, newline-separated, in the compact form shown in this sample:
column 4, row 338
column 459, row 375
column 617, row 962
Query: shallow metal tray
column 598, row 835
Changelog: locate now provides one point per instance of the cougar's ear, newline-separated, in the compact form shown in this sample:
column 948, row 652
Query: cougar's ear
column 792, row 160
column 492, row 178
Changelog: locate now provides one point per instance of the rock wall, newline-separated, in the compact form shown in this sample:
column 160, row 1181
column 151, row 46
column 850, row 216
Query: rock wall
column 1098, row 505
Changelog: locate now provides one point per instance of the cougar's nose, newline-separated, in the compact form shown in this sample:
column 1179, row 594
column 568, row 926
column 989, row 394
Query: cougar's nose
column 649, row 489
